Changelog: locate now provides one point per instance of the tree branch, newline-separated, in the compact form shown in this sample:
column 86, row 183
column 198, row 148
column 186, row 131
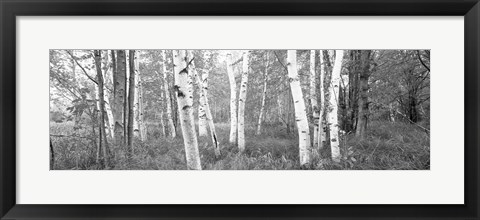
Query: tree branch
column 421, row 61
column 236, row 62
column 84, row 71
column 278, row 58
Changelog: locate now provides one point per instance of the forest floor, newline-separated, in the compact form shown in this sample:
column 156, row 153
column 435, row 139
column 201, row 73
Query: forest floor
column 388, row 146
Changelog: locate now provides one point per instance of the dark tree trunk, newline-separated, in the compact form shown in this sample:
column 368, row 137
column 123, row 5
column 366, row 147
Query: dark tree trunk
column 363, row 94
column 412, row 109
column 52, row 156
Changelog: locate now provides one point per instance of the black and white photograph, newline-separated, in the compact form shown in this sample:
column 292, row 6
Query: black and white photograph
column 239, row 109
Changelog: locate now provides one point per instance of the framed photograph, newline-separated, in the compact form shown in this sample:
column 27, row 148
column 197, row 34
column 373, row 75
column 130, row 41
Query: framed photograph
column 239, row 109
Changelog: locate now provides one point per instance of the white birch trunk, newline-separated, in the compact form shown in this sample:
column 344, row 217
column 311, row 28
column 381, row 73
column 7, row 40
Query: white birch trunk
column 162, row 123
column 109, row 122
column 313, row 99
column 241, row 102
column 139, row 93
column 171, row 126
column 233, row 99
column 111, row 126
column 262, row 109
column 184, row 91
column 333, row 113
column 300, row 109
column 202, row 117
column 202, row 114
column 161, row 107
column 136, row 100
column 321, row 122
column 208, row 113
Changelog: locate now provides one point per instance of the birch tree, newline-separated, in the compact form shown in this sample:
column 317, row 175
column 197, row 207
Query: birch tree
column 264, row 95
column 103, row 136
column 202, row 115
column 184, row 92
column 321, row 123
column 131, row 99
column 162, row 112
column 119, row 88
column 203, row 88
column 241, row 102
column 300, row 109
column 139, row 128
column 233, row 99
column 313, row 99
column 171, row 126
column 333, row 113
column 108, row 96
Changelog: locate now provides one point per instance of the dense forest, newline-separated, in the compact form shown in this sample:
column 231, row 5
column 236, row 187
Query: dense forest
column 239, row 109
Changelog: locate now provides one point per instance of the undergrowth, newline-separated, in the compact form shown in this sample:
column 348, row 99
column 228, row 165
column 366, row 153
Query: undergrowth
column 387, row 146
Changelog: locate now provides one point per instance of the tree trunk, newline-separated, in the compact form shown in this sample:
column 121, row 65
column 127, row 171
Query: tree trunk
column 313, row 100
column 171, row 126
column 262, row 109
column 120, row 74
column 353, row 90
column 412, row 107
column 202, row 114
column 233, row 99
column 241, row 103
column 103, row 135
column 131, row 99
column 208, row 114
column 99, row 155
column 162, row 113
column 52, row 156
column 321, row 122
column 136, row 104
column 333, row 113
column 78, row 115
column 363, row 101
column 300, row 109
column 183, row 88
column 109, row 121
column 126, row 103
column 139, row 128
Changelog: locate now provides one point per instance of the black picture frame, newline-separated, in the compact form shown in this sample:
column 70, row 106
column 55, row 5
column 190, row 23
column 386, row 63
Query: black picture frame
column 470, row 9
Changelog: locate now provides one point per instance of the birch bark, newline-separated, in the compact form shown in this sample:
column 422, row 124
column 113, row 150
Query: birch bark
column 108, row 96
column 262, row 109
column 184, row 92
column 131, row 99
column 233, row 99
column 241, row 102
column 300, row 109
column 208, row 115
column 171, row 126
column 103, row 135
column 313, row 99
column 333, row 113
column 202, row 115
column 321, row 122
column 139, row 124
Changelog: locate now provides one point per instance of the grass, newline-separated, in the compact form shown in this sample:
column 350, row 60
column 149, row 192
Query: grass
column 387, row 146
